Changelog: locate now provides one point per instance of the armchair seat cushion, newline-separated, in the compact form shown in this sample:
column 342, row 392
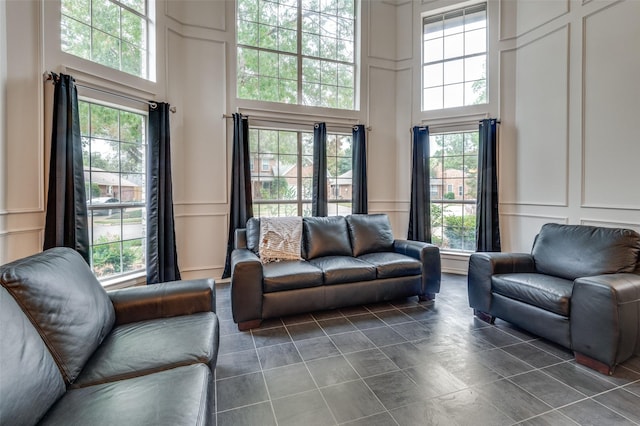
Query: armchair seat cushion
column 344, row 269
column 543, row 291
column 290, row 275
column 145, row 347
column 180, row 396
column 391, row 265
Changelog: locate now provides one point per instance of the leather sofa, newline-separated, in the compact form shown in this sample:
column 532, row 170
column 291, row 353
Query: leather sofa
column 579, row 287
column 345, row 261
column 72, row 353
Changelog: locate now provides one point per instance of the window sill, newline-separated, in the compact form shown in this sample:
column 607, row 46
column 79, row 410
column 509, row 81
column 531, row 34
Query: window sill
column 130, row 280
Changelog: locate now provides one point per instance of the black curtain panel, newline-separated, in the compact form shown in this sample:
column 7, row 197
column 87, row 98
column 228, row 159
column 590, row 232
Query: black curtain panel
column 420, row 209
column 319, row 199
column 487, row 219
column 66, row 216
column 359, row 200
column 162, row 257
column 241, row 208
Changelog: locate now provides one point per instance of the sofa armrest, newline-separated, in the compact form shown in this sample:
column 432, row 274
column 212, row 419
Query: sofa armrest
column 162, row 300
column 429, row 255
column 482, row 266
column 605, row 317
column 246, row 286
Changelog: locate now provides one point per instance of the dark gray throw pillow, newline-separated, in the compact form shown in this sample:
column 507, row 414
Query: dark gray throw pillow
column 370, row 233
column 326, row 236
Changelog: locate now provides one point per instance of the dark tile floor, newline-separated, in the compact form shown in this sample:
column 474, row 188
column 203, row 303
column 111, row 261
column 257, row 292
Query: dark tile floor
column 409, row 363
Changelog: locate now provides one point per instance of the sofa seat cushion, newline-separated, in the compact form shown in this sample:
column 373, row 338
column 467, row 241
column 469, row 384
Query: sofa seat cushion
column 290, row 275
column 344, row 269
column 390, row 264
column 149, row 346
column 180, row 396
column 544, row 291
column 65, row 302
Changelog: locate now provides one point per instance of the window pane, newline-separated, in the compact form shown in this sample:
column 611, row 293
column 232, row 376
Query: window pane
column 432, row 98
column 453, row 46
column 433, row 75
column 106, row 49
column 475, row 42
column 454, row 71
column 433, row 50
column 453, row 95
column 75, row 38
column 106, row 17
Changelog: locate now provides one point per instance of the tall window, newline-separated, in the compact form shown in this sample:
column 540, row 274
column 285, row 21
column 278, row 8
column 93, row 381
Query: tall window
column 454, row 164
column 283, row 188
column 114, row 156
column 297, row 51
column 455, row 58
column 110, row 32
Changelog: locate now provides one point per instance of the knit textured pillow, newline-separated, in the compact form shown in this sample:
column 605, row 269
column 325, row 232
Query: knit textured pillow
column 280, row 238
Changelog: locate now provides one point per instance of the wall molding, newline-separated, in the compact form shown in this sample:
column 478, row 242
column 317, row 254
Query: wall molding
column 370, row 30
column 611, row 223
column 185, row 24
column 564, row 219
column 517, row 35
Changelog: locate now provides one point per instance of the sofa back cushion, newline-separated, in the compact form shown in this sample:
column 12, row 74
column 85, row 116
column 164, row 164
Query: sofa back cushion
column 573, row 251
column 326, row 236
column 65, row 302
column 30, row 381
column 370, row 233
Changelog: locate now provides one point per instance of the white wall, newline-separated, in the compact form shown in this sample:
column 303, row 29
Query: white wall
column 569, row 104
column 561, row 82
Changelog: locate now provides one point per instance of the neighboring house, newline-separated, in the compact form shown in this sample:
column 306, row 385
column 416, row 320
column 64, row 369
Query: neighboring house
column 341, row 186
column 452, row 181
column 112, row 184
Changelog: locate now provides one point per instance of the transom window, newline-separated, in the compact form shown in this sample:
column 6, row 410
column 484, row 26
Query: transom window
column 110, row 32
column 114, row 155
column 297, row 52
column 285, row 187
column 455, row 58
column 454, row 164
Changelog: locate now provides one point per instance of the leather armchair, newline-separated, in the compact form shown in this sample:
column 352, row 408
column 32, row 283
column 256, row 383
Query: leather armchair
column 579, row 287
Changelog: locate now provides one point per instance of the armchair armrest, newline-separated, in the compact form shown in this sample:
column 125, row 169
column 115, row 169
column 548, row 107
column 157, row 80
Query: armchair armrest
column 482, row 266
column 429, row 255
column 605, row 317
column 163, row 300
column 246, row 286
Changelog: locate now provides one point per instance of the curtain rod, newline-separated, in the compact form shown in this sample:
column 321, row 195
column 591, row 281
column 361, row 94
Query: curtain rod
column 51, row 76
column 351, row 126
column 450, row 124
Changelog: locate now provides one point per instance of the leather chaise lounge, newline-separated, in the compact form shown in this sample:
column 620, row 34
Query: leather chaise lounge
column 579, row 287
column 345, row 261
column 73, row 354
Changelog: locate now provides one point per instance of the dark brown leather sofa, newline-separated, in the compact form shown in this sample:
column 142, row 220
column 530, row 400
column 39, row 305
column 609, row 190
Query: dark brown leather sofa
column 73, row 354
column 346, row 261
column 579, row 287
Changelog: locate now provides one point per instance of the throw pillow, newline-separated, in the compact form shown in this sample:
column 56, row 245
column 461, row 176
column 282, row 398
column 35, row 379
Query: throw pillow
column 280, row 238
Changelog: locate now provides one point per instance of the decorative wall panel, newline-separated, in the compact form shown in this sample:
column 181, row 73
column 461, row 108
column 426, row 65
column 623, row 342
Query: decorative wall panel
column 611, row 107
column 197, row 87
column 198, row 13
column 541, row 122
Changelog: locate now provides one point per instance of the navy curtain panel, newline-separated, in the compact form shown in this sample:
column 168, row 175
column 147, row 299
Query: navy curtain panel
column 319, row 198
column 162, row 257
column 487, row 219
column 359, row 199
column 66, row 216
column 241, row 208
column 420, row 209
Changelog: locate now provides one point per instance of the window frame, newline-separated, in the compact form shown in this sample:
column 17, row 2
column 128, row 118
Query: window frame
column 302, row 204
column 121, row 277
column 300, row 57
column 463, row 202
column 430, row 15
